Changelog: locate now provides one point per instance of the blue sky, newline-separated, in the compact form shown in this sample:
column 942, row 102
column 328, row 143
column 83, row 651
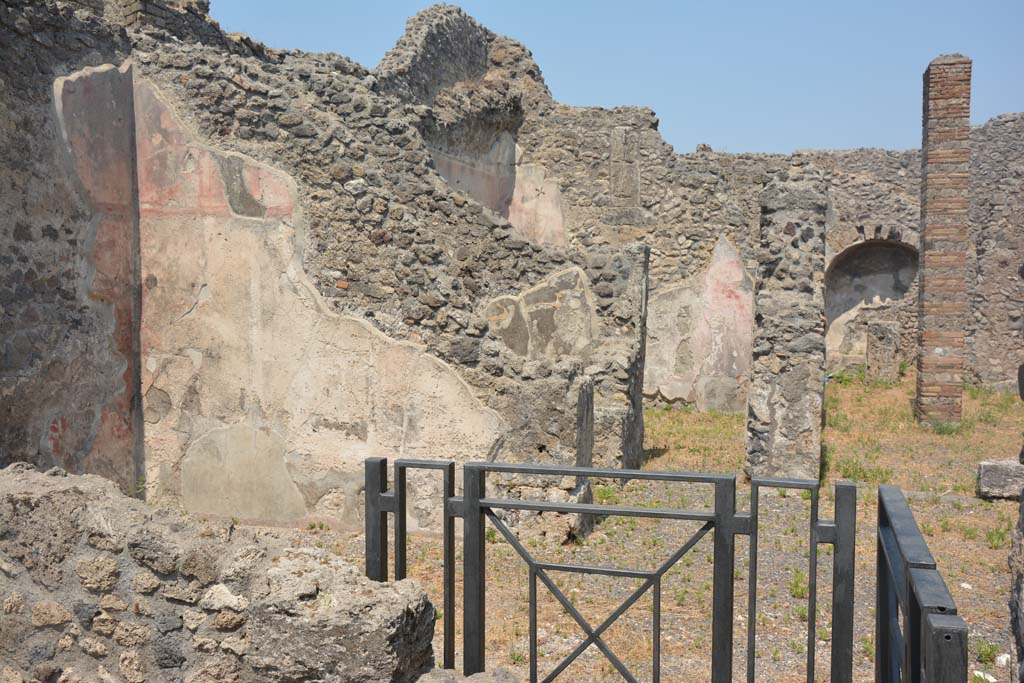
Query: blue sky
column 768, row 76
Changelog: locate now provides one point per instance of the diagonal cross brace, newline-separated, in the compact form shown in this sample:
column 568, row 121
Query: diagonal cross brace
column 594, row 635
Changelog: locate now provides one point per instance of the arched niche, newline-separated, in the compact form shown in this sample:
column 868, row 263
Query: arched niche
column 479, row 157
column 866, row 283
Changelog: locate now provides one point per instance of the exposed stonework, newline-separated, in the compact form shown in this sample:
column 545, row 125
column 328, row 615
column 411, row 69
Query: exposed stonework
column 785, row 406
column 313, row 291
column 423, row 261
column 687, row 201
column 184, row 19
column 259, row 398
column 97, row 586
column 416, row 198
column 68, row 379
column 1000, row 479
column 995, row 323
column 438, row 49
column 942, row 310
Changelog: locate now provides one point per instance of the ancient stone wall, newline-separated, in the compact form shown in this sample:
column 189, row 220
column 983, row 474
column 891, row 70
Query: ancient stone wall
column 184, row 19
column 995, row 323
column 439, row 48
column 439, row 219
column 787, row 386
column 617, row 180
column 693, row 199
column 260, row 401
column 942, row 309
column 685, row 205
column 873, row 217
column 417, row 259
column 98, row 586
column 314, row 293
column 68, row 315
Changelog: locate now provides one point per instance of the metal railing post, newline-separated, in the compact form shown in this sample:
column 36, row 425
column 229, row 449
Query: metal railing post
column 722, row 581
column 474, row 565
column 449, row 567
column 401, row 564
column 944, row 649
column 376, row 519
column 886, row 664
column 843, row 582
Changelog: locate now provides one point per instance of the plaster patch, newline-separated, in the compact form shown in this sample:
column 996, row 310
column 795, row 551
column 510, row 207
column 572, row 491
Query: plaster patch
column 274, row 399
column 699, row 336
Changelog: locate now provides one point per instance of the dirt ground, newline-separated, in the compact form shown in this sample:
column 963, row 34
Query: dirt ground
column 870, row 438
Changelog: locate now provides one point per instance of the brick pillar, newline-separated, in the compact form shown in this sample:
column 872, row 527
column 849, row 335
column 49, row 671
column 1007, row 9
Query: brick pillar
column 942, row 303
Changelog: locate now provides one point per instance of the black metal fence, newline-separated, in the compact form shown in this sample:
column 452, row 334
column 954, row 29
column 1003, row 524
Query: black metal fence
column 937, row 636
column 929, row 643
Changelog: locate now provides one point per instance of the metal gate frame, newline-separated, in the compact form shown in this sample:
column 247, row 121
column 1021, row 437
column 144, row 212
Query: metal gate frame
column 474, row 507
column 931, row 645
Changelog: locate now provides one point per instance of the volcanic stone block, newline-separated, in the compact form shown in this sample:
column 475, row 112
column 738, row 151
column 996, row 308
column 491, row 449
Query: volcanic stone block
column 1000, row 479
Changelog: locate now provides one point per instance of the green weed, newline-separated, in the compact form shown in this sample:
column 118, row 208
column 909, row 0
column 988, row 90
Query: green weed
column 798, row 584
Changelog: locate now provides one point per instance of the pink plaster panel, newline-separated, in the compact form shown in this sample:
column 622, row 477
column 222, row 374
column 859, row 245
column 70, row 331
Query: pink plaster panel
column 95, row 109
column 179, row 177
column 700, row 336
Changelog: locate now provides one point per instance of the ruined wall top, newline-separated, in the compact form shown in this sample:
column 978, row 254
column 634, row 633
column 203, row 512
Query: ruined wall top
column 441, row 46
column 954, row 58
column 187, row 20
column 443, row 49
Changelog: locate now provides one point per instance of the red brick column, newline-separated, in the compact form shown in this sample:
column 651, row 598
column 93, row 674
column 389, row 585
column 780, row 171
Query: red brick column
column 942, row 306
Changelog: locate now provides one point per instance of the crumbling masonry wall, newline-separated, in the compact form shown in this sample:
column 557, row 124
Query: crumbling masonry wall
column 787, row 386
column 443, row 199
column 313, row 292
column 700, row 214
column 97, row 586
column 419, row 261
column 995, row 322
column 68, row 318
column 683, row 205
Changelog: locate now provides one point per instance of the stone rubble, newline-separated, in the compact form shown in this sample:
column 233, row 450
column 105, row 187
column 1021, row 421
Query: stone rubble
column 98, row 586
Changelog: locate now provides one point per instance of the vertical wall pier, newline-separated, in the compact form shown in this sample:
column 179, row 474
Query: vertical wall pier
column 944, row 201
column 787, row 380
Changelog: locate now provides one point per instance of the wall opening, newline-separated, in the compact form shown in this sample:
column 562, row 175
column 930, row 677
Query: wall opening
column 479, row 156
column 866, row 284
